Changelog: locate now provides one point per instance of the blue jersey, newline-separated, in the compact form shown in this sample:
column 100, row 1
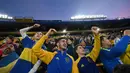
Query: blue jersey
column 87, row 65
column 110, row 57
column 61, row 63
column 27, row 42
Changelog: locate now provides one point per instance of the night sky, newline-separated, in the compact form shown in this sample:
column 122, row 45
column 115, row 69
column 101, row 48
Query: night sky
column 64, row 9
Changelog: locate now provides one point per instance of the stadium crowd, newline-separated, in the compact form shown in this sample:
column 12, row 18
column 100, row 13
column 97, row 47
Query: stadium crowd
column 44, row 53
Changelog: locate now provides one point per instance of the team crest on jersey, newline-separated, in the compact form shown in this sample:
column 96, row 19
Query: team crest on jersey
column 82, row 65
column 57, row 58
column 67, row 59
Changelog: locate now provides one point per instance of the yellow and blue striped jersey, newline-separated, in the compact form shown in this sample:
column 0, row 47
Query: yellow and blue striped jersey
column 27, row 58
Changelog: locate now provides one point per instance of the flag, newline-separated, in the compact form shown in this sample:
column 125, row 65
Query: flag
column 8, row 62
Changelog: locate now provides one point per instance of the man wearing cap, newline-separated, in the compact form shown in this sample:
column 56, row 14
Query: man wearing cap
column 58, row 61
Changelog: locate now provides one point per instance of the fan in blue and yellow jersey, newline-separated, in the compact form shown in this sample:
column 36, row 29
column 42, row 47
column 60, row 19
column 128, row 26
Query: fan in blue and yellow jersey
column 86, row 63
column 125, row 57
column 58, row 61
column 8, row 60
column 110, row 55
column 27, row 58
column 8, row 56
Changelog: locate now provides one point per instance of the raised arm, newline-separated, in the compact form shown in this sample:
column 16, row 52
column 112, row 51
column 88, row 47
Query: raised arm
column 95, row 51
column 119, row 48
column 43, row 55
column 24, row 30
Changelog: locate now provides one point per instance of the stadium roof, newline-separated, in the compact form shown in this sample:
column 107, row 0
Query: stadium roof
column 13, row 26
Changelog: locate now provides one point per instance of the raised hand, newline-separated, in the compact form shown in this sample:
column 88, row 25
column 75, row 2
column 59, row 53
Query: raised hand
column 51, row 31
column 95, row 30
column 36, row 25
column 127, row 32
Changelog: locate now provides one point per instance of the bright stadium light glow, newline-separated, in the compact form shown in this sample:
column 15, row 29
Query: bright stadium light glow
column 88, row 17
column 10, row 17
column 4, row 16
column 98, row 29
column 64, row 31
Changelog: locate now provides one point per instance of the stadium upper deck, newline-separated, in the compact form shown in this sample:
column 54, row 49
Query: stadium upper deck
column 60, row 25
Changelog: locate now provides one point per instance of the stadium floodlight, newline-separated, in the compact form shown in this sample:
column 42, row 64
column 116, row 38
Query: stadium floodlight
column 4, row 16
column 88, row 17
column 98, row 29
column 0, row 15
column 64, row 31
column 10, row 17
